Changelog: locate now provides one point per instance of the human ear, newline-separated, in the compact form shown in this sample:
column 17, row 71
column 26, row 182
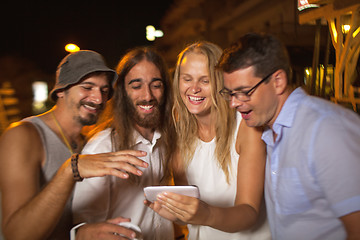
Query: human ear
column 60, row 94
column 281, row 81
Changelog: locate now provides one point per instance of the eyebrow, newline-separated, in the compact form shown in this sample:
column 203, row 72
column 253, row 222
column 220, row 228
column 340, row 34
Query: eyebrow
column 136, row 80
column 241, row 88
column 156, row 79
column 235, row 90
column 92, row 84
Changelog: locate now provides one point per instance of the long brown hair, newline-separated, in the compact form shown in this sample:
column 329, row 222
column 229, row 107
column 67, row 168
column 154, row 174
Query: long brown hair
column 117, row 116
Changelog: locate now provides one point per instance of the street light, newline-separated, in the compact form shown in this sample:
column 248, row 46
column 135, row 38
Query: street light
column 152, row 33
column 71, row 48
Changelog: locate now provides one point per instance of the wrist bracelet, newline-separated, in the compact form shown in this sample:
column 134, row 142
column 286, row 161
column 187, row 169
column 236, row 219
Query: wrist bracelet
column 74, row 167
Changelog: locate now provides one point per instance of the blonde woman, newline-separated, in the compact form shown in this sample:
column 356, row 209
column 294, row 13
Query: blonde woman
column 216, row 152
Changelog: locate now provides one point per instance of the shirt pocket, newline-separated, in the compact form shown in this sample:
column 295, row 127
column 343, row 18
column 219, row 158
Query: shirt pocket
column 291, row 194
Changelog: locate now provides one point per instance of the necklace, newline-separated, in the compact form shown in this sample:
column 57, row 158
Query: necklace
column 63, row 135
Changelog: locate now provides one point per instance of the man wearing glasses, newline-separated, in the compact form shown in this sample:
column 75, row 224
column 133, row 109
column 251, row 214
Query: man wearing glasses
column 313, row 166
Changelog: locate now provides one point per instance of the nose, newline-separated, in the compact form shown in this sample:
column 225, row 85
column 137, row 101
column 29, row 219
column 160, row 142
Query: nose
column 97, row 96
column 195, row 88
column 234, row 102
column 147, row 93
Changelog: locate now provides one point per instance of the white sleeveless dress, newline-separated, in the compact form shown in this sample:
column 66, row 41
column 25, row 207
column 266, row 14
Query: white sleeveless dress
column 204, row 172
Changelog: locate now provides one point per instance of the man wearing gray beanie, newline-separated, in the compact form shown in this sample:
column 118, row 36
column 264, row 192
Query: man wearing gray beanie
column 39, row 155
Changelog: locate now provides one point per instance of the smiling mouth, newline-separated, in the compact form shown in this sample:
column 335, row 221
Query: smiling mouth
column 196, row 99
column 146, row 107
column 92, row 108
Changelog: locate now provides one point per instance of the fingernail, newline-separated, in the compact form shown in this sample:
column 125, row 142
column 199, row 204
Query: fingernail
column 139, row 172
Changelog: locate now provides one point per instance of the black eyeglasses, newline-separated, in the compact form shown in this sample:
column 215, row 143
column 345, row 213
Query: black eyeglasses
column 242, row 95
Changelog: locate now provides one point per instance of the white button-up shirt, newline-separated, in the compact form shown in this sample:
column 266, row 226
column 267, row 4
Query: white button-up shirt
column 101, row 198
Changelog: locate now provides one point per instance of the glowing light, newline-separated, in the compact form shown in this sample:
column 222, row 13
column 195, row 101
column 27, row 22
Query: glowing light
column 333, row 30
column 356, row 32
column 345, row 28
column 304, row 4
column 152, row 33
column 40, row 90
column 71, row 48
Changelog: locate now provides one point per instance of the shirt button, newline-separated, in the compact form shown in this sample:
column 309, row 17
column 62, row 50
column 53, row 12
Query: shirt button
column 274, row 172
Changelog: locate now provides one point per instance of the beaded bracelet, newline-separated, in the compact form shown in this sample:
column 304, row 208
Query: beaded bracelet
column 74, row 167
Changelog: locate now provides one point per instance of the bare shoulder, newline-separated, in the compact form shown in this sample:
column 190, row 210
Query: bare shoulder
column 20, row 139
column 19, row 132
column 20, row 127
column 248, row 136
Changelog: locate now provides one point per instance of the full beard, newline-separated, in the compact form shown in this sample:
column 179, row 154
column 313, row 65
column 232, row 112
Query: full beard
column 151, row 120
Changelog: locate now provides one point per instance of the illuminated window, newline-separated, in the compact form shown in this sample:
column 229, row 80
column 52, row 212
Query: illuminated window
column 40, row 93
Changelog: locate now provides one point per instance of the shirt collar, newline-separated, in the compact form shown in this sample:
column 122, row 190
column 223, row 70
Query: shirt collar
column 140, row 139
column 287, row 114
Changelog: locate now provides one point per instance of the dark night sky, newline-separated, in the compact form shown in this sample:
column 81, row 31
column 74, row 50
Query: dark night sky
column 39, row 30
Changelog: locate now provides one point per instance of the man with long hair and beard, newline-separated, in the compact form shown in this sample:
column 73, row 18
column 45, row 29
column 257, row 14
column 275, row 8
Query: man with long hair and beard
column 138, row 117
column 39, row 155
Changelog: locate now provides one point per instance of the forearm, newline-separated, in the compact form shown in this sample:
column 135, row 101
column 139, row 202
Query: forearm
column 194, row 211
column 38, row 217
column 351, row 223
column 232, row 219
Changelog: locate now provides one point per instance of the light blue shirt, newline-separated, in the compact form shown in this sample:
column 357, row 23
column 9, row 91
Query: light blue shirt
column 313, row 169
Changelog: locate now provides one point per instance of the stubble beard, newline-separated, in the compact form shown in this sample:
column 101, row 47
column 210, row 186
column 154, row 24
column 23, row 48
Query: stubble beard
column 90, row 118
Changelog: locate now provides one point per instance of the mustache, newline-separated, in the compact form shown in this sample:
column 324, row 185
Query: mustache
column 151, row 102
column 91, row 104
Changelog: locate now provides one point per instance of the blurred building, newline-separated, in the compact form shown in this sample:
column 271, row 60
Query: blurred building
column 17, row 76
column 223, row 22
column 9, row 106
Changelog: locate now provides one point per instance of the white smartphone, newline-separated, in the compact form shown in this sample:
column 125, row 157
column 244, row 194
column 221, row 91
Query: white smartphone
column 153, row 191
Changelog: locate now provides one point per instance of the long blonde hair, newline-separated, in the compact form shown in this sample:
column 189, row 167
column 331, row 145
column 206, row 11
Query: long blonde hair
column 186, row 123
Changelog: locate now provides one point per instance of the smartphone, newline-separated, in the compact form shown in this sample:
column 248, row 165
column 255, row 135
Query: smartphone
column 153, row 191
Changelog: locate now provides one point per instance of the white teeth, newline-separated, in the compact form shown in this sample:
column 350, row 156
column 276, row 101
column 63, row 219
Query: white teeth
column 146, row 107
column 90, row 107
column 196, row 98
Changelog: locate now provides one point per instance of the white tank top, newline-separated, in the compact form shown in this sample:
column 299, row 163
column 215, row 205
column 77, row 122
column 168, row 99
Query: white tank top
column 204, row 172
